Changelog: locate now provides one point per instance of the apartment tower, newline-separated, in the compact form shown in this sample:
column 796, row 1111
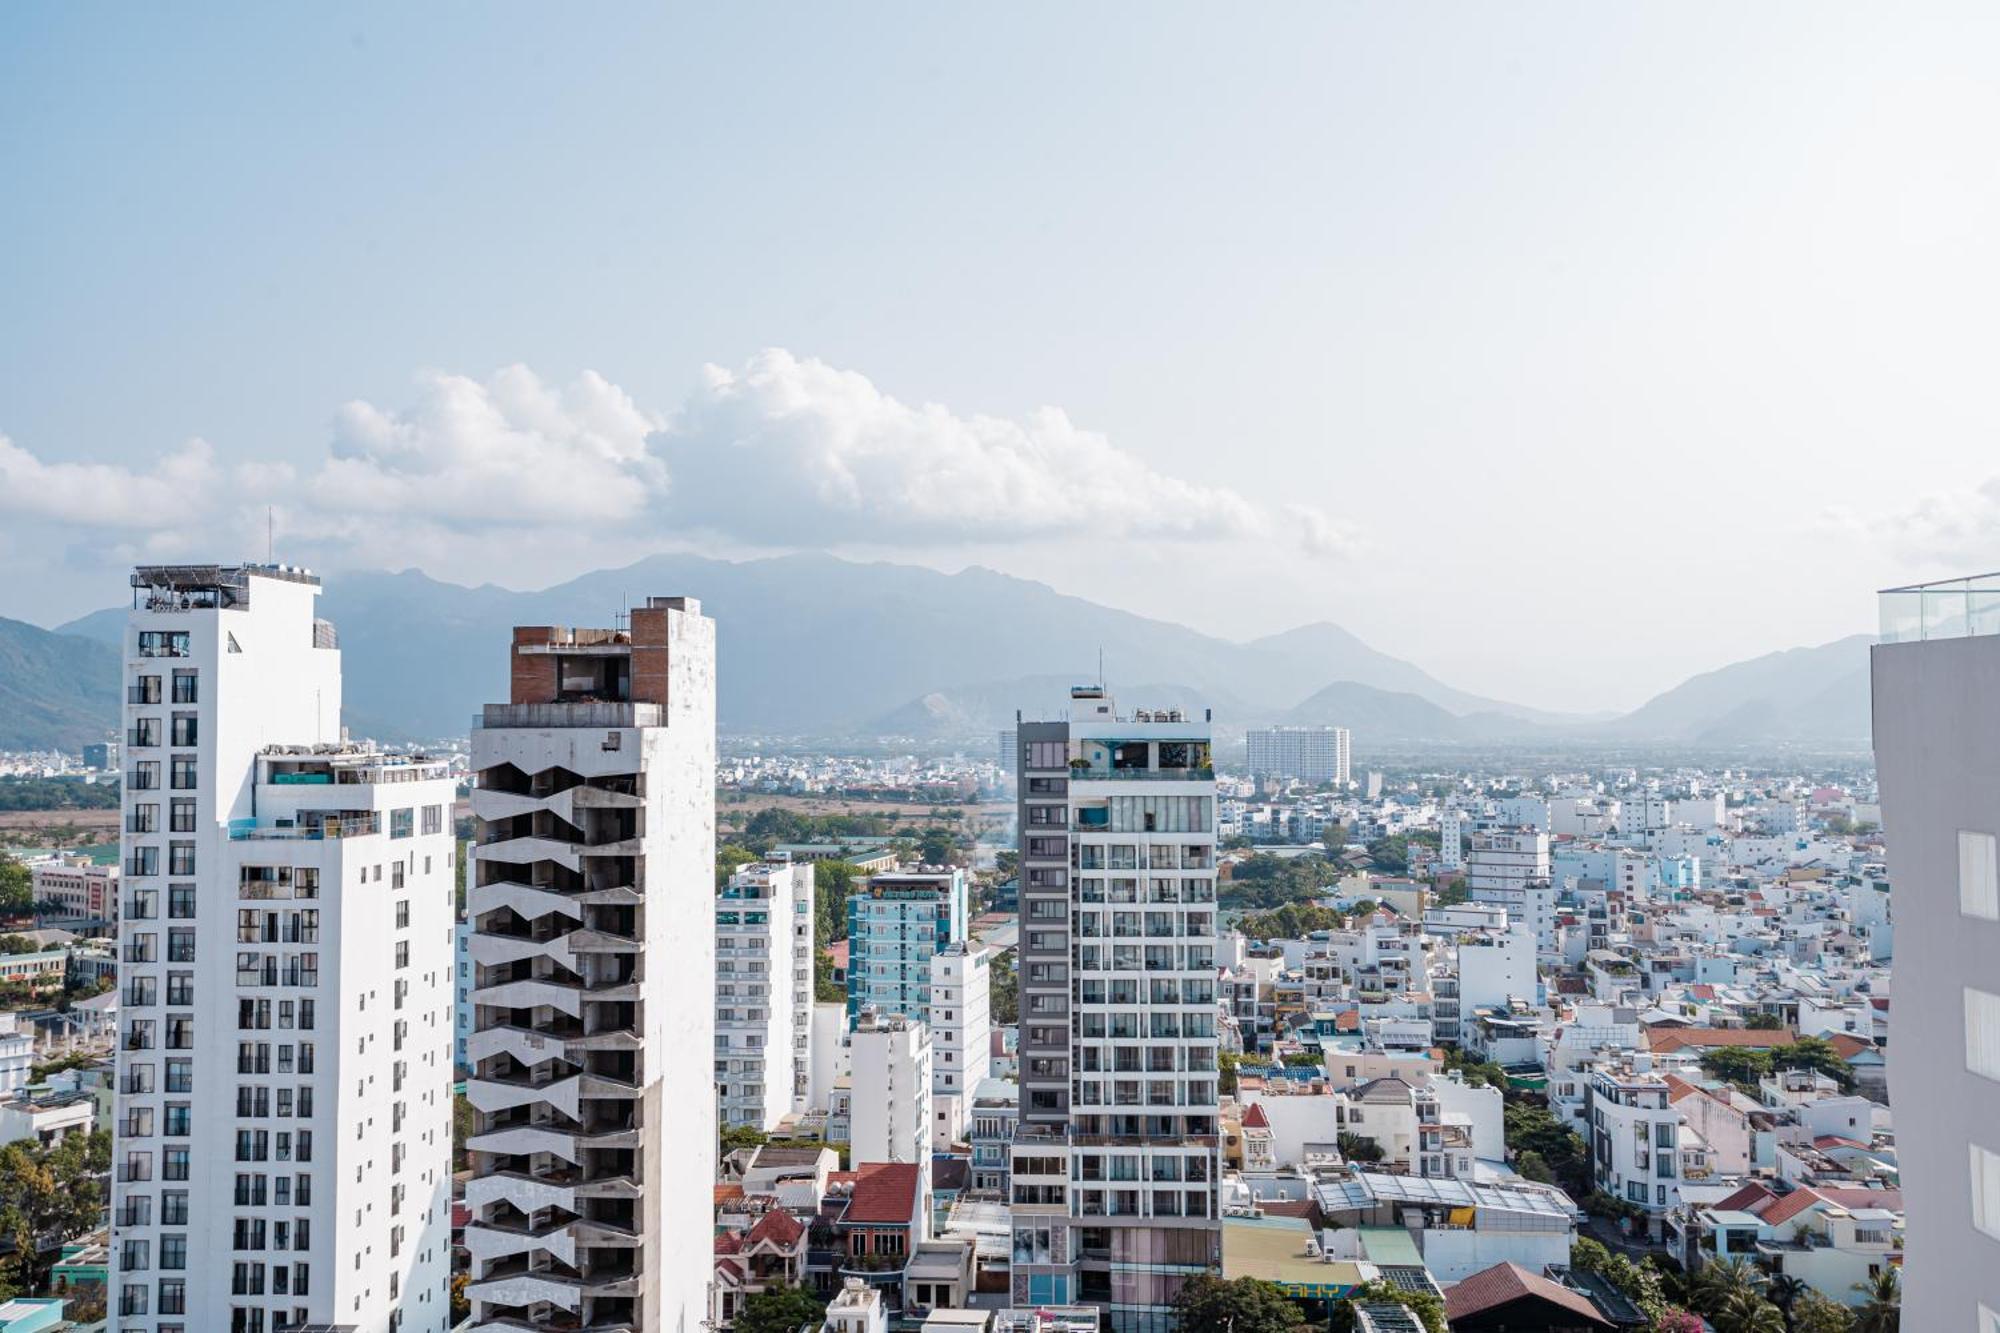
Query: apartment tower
column 1310, row 754
column 592, row 900
column 284, row 1061
column 1114, row 1167
column 763, row 992
column 1937, row 710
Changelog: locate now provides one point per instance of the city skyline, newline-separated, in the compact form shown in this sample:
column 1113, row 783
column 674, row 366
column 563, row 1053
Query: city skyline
column 1382, row 304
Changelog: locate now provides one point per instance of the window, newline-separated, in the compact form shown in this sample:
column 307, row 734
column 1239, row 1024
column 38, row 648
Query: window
column 1978, row 876
column 184, row 775
column 1982, row 1033
column 1986, row 1191
column 173, row 1253
column 143, row 819
column 186, row 729
column 433, row 819
column 146, row 691
column 174, row 1208
column 180, row 858
column 180, row 815
column 402, row 914
column 180, row 901
column 143, row 775
column 185, row 690
column 402, row 823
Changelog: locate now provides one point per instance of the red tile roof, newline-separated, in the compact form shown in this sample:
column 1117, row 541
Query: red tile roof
column 1746, row 1200
column 1503, row 1284
column 884, row 1192
column 1849, row 1045
column 1781, row 1211
column 1254, row 1118
column 778, row 1227
column 1855, row 1197
column 1707, row 1038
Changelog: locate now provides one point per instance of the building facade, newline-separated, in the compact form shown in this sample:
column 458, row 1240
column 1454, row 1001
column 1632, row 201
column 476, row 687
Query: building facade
column 896, row 923
column 283, row 1096
column 1510, row 867
column 1311, row 754
column 79, row 890
column 1936, row 707
column 890, row 1114
column 592, row 898
column 1114, row 1172
column 961, row 1034
column 763, row 992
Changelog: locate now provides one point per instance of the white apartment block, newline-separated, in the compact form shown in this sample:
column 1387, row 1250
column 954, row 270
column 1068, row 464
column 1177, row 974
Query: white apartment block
column 1452, row 828
column 1311, row 754
column 1936, row 710
column 961, row 1034
column 1510, row 867
column 890, row 1119
column 593, row 902
column 1118, row 1083
column 283, row 1097
column 763, row 992
column 1635, row 1139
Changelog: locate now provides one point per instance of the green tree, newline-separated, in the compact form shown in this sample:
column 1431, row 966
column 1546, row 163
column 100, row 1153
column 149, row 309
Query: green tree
column 1747, row 1312
column 733, row 1137
column 17, row 886
column 49, row 1195
column 729, row 856
column 1357, row 1149
column 1815, row 1053
column 1722, row 1282
column 464, row 1120
column 779, row 1310
column 1226, row 1064
column 1532, row 1128
column 1003, row 991
column 1292, row 921
column 1815, row 1313
column 832, row 880
column 1428, row 1309
column 1390, row 855
column 1764, row 1022
column 938, row 846
column 825, row 989
column 1532, row 1166
column 1741, row 1065
column 1245, row 1305
column 1881, row 1309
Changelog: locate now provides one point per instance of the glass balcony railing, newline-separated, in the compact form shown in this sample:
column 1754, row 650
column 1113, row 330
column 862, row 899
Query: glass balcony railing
column 1950, row 609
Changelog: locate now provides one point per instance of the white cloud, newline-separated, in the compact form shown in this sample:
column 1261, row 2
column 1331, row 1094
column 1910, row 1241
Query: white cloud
column 794, row 450
column 784, row 453
column 1956, row 530
column 184, row 484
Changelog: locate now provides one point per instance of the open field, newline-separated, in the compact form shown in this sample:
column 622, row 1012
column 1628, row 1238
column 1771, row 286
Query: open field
column 41, row 828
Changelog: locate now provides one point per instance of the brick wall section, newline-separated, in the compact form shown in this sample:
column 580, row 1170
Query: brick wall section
column 532, row 677
column 649, row 654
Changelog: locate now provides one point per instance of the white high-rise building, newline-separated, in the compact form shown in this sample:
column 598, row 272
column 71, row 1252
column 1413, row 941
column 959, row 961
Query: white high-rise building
column 1511, row 867
column 891, row 1117
column 1452, row 825
column 593, row 902
column 284, row 1064
column 1311, row 754
column 1115, row 1164
column 763, row 992
column 1936, row 712
column 961, row 1034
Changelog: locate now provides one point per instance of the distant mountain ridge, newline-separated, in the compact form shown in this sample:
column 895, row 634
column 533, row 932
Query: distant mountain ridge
column 812, row 645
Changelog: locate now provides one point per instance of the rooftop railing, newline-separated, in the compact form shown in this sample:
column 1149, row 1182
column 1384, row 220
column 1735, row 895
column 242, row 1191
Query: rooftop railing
column 1949, row 609
column 555, row 716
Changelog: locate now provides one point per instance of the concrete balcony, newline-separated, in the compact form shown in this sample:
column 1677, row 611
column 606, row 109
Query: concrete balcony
column 570, row 1145
column 532, row 1193
column 527, row 902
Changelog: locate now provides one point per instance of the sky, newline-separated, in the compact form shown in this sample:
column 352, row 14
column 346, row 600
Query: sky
column 1564, row 349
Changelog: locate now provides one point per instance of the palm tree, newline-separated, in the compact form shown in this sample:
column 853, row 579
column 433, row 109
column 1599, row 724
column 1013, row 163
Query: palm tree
column 1882, row 1311
column 1711, row 1288
column 1747, row 1312
column 1784, row 1292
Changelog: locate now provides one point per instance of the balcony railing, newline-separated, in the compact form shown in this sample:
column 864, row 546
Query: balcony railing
column 1949, row 609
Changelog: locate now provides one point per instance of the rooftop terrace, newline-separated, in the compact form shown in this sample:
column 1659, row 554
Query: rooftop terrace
column 1961, row 608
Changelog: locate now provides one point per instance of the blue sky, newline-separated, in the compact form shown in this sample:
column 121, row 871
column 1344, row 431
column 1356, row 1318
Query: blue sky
column 1564, row 348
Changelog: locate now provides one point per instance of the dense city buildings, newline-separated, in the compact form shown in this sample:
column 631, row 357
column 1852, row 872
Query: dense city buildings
column 1115, row 1167
column 1937, row 710
column 1309, row 754
column 896, row 923
column 763, row 992
column 284, row 1067
column 593, row 900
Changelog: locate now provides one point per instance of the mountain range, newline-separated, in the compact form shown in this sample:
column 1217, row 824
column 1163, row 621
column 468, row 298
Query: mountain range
column 811, row 645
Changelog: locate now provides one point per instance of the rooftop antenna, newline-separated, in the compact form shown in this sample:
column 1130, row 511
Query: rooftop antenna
column 1100, row 666
column 270, row 535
